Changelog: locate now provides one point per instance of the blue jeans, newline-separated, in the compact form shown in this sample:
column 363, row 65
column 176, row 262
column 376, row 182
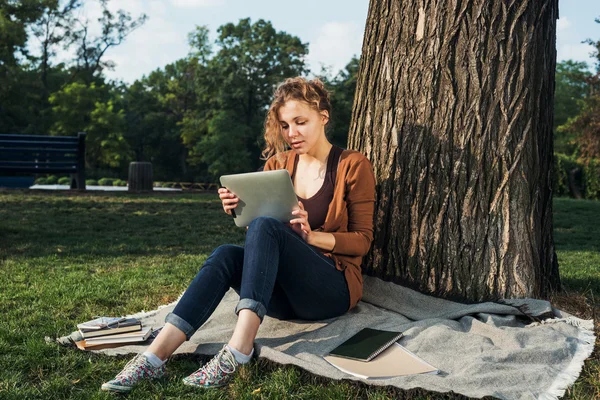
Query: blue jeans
column 276, row 273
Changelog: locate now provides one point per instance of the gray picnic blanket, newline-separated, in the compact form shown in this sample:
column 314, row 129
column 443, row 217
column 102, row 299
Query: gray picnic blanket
column 483, row 349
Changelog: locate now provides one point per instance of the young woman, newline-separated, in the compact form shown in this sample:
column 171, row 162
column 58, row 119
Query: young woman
column 306, row 269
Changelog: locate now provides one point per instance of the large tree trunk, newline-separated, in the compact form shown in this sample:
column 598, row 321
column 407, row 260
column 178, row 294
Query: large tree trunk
column 454, row 107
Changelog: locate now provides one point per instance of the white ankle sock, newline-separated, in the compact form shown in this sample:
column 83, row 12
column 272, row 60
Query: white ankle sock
column 153, row 359
column 239, row 356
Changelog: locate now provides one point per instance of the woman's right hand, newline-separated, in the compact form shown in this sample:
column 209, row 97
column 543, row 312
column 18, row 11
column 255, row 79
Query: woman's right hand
column 228, row 199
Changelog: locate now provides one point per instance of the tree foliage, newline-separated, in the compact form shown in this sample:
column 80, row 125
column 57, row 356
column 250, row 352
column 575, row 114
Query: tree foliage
column 237, row 83
column 342, row 87
column 81, row 108
column 155, row 107
column 52, row 29
column 90, row 50
column 585, row 127
column 15, row 65
column 571, row 87
column 570, row 90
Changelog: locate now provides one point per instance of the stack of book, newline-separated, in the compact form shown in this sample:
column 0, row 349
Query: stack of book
column 112, row 332
column 374, row 354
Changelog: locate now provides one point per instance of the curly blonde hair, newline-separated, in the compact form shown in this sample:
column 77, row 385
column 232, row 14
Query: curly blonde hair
column 312, row 92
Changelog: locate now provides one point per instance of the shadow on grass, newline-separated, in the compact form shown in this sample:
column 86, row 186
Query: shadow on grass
column 585, row 286
column 576, row 236
column 37, row 225
column 576, row 224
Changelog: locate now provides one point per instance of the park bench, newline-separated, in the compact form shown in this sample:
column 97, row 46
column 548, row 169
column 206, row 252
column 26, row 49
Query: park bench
column 39, row 154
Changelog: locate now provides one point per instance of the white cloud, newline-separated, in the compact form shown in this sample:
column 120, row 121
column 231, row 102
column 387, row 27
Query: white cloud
column 155, row 31
column 577, row 52
column 334, row 47
column 563, row 23
column 134, row 7
column 197, row 3
column 157, row 43
column 157, row 7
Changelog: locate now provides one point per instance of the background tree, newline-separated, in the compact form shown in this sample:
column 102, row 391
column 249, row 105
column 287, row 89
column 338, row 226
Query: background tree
column 90, row 109
column 585, row 127
column 51, row 30
column 238, row 81
column 342, row 88
column 91, row 50
column 571, row 89
column 156, row 107
column 15, row 18
column 582, row 170
column 454, row 107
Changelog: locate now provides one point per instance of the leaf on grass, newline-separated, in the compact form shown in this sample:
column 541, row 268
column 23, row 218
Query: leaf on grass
column 256, row 391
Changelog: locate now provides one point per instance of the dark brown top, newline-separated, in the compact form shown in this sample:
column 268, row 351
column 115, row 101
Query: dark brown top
column 318, row 205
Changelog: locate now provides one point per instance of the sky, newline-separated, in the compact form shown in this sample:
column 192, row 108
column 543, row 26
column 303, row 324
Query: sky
column 333, row 29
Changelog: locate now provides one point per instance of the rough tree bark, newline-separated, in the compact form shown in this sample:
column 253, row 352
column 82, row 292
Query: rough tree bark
column 454, row 107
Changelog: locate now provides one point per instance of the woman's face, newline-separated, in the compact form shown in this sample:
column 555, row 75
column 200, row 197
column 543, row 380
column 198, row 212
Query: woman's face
column 302, row 126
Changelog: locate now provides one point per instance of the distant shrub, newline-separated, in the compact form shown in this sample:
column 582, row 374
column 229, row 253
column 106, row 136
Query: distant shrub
column 119, row 182
column 563, row 165
column 51, row 180
column 41, row 181
column 105, row 182
column 575, row 177
column 64, row 180
column 158, row 184
column 591, row 173
column 91, row 182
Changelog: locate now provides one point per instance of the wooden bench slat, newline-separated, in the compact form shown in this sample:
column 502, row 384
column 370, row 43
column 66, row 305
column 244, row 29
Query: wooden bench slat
column 24, row 144
column 53, row 170
column 39, row 157
column 36, row 151
column 35, row 164
column 29, row 138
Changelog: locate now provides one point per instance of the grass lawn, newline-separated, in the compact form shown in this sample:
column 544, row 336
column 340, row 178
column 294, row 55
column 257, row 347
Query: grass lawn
column 66, row 257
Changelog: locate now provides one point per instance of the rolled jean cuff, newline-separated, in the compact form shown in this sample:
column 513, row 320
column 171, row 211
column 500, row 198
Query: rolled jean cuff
column 180, row 324
column 253, row 305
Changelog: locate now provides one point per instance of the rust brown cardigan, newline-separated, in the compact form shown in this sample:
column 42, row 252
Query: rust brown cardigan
column 350, row 214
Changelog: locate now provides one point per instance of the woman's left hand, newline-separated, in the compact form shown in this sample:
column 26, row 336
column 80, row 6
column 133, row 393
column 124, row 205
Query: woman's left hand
column 300, row 224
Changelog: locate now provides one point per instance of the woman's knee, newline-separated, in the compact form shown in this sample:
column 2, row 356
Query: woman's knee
column 228, row 250
column 265, row 224
column 227, row 254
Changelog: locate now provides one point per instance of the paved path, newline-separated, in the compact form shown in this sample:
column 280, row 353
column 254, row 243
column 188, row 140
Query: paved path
column 103, row 188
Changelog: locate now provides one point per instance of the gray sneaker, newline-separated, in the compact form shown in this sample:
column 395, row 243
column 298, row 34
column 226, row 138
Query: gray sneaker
column 135, row 370
column 217, row 372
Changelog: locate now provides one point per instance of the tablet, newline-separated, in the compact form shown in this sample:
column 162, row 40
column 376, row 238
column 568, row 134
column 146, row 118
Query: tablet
column 262, row 194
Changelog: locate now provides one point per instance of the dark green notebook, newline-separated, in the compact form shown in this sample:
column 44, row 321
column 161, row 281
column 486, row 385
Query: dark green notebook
column 366, row 344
